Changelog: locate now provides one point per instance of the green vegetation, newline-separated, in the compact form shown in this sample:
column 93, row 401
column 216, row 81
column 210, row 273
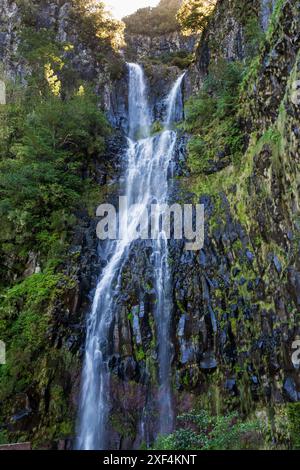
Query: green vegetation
column 212, row 119
column 49, row 148
column 294, row 424
column 260, row 42
column 96, row 26
column 94, row 22
column 193, row 15
column 201, row 431
column 250, row 185
column 58, row 143
column 52, row 134
column 154, row 21
column 181, row 59
column 24, row 322
column 45, row 57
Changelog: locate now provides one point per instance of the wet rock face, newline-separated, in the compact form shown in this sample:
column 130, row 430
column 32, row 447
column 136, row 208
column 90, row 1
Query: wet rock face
column 160, row 80
column 222, row 326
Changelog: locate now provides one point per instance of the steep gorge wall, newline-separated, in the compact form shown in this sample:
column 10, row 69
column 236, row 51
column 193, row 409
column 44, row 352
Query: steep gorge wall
column 236, row 303
column 141, row 47
column 232, row 35
column 243, row 305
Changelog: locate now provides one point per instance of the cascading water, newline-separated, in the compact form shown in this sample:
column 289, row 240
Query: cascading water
column 146, row 180
column 166, row 146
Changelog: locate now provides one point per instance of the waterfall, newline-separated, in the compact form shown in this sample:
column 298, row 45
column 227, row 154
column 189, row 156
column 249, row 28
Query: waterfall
column 148, row 161
column 163, row 276
column 174, row 103
column 139, row 116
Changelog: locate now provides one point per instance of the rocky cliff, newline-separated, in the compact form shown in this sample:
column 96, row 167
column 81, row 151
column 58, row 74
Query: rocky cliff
column 236, row 302
column 140, row 47
column 248, row 270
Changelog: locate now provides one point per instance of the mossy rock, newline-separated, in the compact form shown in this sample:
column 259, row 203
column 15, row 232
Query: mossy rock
column 294, row 423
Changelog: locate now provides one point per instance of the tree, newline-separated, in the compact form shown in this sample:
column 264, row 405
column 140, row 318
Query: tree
column 154, row 21
column 43, row 164
column 96, row 23
column 193, row 15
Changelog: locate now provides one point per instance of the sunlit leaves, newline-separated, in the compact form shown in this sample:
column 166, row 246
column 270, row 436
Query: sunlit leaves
column 193, row 15
column 97, row 26
column 154, row 21
column 52, row 80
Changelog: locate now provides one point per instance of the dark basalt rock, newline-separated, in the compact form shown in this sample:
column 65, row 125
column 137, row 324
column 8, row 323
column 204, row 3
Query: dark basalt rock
column 290, row 390
column 140, row 47
column 277, row 264
column 208, row 362
column 231, row 387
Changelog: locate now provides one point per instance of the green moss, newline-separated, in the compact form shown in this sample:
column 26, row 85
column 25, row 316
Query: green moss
column 294, row 424
column 4, row 437
column 156, row 128
column 25, row 325
column 211, row 119
column 264, row 41
column 275, row 20
column 180, row 59
column 122, row 425
column 180, row 306
column 140, row 355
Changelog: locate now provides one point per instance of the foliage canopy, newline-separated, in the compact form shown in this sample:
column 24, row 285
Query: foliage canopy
column 154, row 21
column 193, row 15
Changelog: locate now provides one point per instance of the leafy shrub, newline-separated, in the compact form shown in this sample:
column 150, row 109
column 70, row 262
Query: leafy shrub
column 201, row 431
column 181, row 59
